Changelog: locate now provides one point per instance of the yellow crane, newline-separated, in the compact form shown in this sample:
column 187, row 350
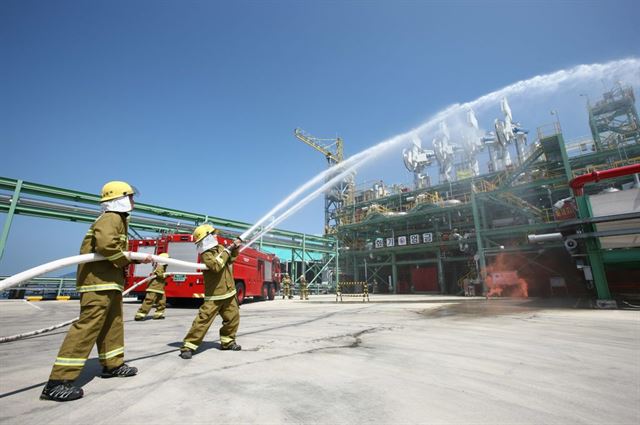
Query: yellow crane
column 341, row 194
column 332, row 157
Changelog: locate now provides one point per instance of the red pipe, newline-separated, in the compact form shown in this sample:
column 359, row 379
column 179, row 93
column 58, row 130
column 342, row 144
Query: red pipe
column 578, row 183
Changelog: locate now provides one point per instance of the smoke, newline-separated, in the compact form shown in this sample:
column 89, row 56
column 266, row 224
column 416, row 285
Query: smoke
column 502, row 277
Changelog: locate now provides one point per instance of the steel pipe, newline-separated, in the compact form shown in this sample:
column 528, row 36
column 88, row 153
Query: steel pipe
column 577, row 184
column 548, row 237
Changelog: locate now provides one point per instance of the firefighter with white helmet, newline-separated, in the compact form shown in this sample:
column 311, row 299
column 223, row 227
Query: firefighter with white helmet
column 304, row 288
column 155, row 294
column 219, row 292
column 286, row 287
column 100, row 284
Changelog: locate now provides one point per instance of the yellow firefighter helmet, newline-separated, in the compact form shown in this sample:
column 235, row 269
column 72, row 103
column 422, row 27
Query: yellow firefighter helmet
column 116, row 189
column 164, row 254
column 202, row 231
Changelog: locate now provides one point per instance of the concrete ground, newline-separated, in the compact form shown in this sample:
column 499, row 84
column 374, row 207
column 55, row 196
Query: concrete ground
column 397, row 359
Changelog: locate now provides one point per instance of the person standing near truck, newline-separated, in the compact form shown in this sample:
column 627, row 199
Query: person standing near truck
column 286, row 287
column 100, row 284
column 304, row 288
column 219, row 292
column 155, row 294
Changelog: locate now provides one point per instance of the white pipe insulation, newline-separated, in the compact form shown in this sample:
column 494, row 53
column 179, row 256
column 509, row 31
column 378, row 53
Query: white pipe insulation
column 87, row 258
column 547, row 237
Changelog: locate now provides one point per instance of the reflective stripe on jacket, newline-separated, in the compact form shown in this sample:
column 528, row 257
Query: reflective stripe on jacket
column 107, row 236
column 159, row 282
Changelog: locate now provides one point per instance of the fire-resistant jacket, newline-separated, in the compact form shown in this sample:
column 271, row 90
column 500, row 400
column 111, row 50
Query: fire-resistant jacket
column 159, row 282
column 106, row 236
column 218, row 279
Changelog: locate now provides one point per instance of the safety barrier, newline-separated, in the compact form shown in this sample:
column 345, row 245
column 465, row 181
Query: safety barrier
column 50, row 288
column 364, row 293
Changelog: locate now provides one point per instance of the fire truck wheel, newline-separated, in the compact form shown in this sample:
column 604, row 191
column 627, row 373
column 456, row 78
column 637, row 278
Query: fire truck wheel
column 240, row 292
column 272, row 292
column 265, row 291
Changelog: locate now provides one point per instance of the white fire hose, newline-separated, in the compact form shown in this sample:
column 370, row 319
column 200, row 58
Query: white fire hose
column 80, row 259
column 88, row 258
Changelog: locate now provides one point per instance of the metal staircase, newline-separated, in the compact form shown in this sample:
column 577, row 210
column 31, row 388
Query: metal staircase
column 512, row 177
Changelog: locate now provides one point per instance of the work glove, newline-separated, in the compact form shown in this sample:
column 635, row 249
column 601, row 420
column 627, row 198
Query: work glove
column 235, row 245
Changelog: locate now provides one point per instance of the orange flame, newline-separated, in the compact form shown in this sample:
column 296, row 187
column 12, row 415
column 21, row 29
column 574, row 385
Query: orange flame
column 503, row 277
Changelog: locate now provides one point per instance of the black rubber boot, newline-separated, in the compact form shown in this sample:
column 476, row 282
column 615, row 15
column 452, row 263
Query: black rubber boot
column 122, row 371
column 186, row 354
column 232, row 347
column 61, row 391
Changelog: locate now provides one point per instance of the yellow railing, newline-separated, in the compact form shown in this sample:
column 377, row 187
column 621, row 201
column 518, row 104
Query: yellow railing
column 600, row 167
column 485, row 185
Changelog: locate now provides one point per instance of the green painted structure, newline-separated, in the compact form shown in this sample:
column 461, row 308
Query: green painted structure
column 462, row 228
column 18, row 197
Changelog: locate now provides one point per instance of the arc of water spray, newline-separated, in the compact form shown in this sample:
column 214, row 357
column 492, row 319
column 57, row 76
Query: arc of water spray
column 301, row 203
column 548, row 81
column 352, row 163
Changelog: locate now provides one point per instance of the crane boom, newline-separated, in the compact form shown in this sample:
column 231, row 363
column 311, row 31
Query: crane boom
column 332, row 157
column 342, row 193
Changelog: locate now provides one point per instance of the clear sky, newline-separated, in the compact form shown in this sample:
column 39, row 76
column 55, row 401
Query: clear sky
column 195, row 102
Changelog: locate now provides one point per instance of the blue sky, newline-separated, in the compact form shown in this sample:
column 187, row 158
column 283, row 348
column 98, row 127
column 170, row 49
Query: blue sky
column 195, row 102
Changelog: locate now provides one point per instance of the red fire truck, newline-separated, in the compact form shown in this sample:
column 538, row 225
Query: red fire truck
column 257, row 274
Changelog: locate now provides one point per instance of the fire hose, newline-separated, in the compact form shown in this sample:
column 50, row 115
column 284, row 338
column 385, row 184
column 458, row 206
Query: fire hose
column 88, row 258
column 80, row 259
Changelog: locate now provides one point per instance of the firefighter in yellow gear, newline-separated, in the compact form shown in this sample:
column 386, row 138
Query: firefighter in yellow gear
column 100, row 284
column 304, row 289
column 219, row 292
column 155, row 294
column 286, row 287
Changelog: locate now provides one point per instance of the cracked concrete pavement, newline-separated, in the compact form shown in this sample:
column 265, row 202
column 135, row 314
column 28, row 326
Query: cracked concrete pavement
column 397, row 359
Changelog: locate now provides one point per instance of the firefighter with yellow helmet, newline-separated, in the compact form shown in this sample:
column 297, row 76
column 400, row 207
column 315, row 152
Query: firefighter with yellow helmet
column 100, row 284
column 155, row 294
column 219, row 292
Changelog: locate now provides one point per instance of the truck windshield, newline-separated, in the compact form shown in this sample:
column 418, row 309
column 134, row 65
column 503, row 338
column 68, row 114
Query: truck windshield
column 144, row 269
column 185, row 251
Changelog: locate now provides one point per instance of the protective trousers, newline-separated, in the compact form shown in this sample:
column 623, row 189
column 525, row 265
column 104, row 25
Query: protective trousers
column 286, row 291
column 230, row 313
column 151, row 299
column 304, row 292
column 100, row 323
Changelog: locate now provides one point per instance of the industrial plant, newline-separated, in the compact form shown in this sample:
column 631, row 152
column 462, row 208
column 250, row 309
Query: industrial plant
column 526, row 227
column 547, row 218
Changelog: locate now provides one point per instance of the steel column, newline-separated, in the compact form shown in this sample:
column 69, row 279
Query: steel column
column 477, row 225
column 394, row 273
column 7, row 223
column 594, row 252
